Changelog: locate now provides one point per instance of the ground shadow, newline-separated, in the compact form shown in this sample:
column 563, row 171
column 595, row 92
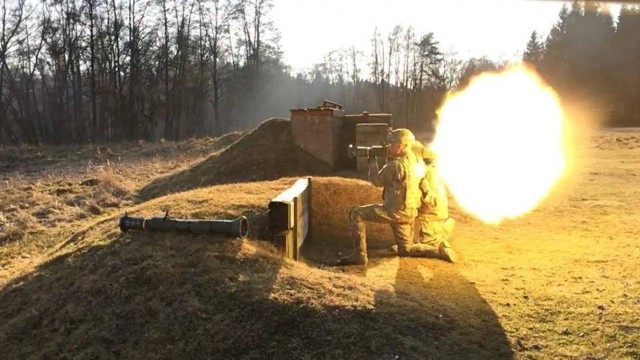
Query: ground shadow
column 140, row 295
column 459, row 322
column 437, row 311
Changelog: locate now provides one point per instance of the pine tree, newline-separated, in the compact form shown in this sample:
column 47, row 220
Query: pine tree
column 535, row 50
column 627, row 47
column 556, row 35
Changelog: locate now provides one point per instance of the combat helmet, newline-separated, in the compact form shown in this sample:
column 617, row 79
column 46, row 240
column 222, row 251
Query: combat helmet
column 401, row 136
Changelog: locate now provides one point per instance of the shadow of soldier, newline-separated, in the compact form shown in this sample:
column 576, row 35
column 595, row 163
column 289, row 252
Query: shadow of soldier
column 446, row 317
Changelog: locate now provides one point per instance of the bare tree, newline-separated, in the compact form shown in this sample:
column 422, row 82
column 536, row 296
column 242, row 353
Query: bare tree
column 449, row 71
column 219, row 22
column 12, row 17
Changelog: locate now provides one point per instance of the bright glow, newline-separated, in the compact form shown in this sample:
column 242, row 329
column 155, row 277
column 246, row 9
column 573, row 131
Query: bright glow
column 420, row 169
column 498, row 29
column 501, row 143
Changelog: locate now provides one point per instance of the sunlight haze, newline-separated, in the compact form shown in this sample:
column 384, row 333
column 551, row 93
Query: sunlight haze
column 498, row 29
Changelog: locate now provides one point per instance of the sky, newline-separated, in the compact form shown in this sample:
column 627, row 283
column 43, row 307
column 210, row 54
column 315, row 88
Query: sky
column 497, row 29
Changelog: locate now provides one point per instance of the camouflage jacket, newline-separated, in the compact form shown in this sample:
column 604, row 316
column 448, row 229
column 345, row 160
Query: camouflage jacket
column 401, row 185
column 434, row 195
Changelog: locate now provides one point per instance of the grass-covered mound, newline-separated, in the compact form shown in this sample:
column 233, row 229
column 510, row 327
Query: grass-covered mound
column 266, row 153
column 105, row 294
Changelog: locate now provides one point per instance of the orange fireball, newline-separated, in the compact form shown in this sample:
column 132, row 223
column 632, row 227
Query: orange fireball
column 502, row 143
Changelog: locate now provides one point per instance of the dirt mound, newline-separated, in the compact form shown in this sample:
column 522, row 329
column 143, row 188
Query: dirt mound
column 266, row 153
column 228, row 139
column 107, row 294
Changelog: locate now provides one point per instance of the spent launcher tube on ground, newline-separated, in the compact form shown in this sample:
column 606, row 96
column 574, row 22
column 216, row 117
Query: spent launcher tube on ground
column 238, row 227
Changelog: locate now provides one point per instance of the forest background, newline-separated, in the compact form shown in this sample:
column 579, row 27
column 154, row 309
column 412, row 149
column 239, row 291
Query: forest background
column 87, row 71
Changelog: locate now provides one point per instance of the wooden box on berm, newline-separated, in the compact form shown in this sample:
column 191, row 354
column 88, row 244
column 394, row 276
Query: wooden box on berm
column 319, row 132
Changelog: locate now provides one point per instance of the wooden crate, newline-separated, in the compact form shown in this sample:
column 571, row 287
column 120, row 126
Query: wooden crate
column 318, row 132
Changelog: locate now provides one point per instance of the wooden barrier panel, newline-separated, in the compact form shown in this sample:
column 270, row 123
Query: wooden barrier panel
column 290, row 218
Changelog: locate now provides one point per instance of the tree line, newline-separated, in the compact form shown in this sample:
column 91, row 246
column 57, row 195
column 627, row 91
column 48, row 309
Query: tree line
column 592, row 60
column 77, row 71
column 74, row 71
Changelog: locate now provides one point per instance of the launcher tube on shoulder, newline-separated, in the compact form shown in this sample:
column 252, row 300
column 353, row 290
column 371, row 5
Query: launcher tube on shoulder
column 238, row 227
column 367, row 151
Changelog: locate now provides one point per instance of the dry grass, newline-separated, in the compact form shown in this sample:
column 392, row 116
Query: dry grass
column 561, row 282
column 29, row 159
column 564, row 280
column 46, row 192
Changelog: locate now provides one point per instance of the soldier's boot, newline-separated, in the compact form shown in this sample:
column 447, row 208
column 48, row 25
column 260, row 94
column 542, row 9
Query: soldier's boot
column 359, row 256
column 423, row 250
column 418, row 250
column 416, row 247
column 446, row 252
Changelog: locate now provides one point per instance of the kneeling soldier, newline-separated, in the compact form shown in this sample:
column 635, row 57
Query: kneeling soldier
column 400, row 178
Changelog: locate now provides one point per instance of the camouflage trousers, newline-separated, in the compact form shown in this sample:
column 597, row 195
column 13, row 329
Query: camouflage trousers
column 433, row 231
column 401, row 225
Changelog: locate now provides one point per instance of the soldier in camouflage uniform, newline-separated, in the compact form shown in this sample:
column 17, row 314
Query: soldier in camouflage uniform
column 433, row 215
column 401, row 199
